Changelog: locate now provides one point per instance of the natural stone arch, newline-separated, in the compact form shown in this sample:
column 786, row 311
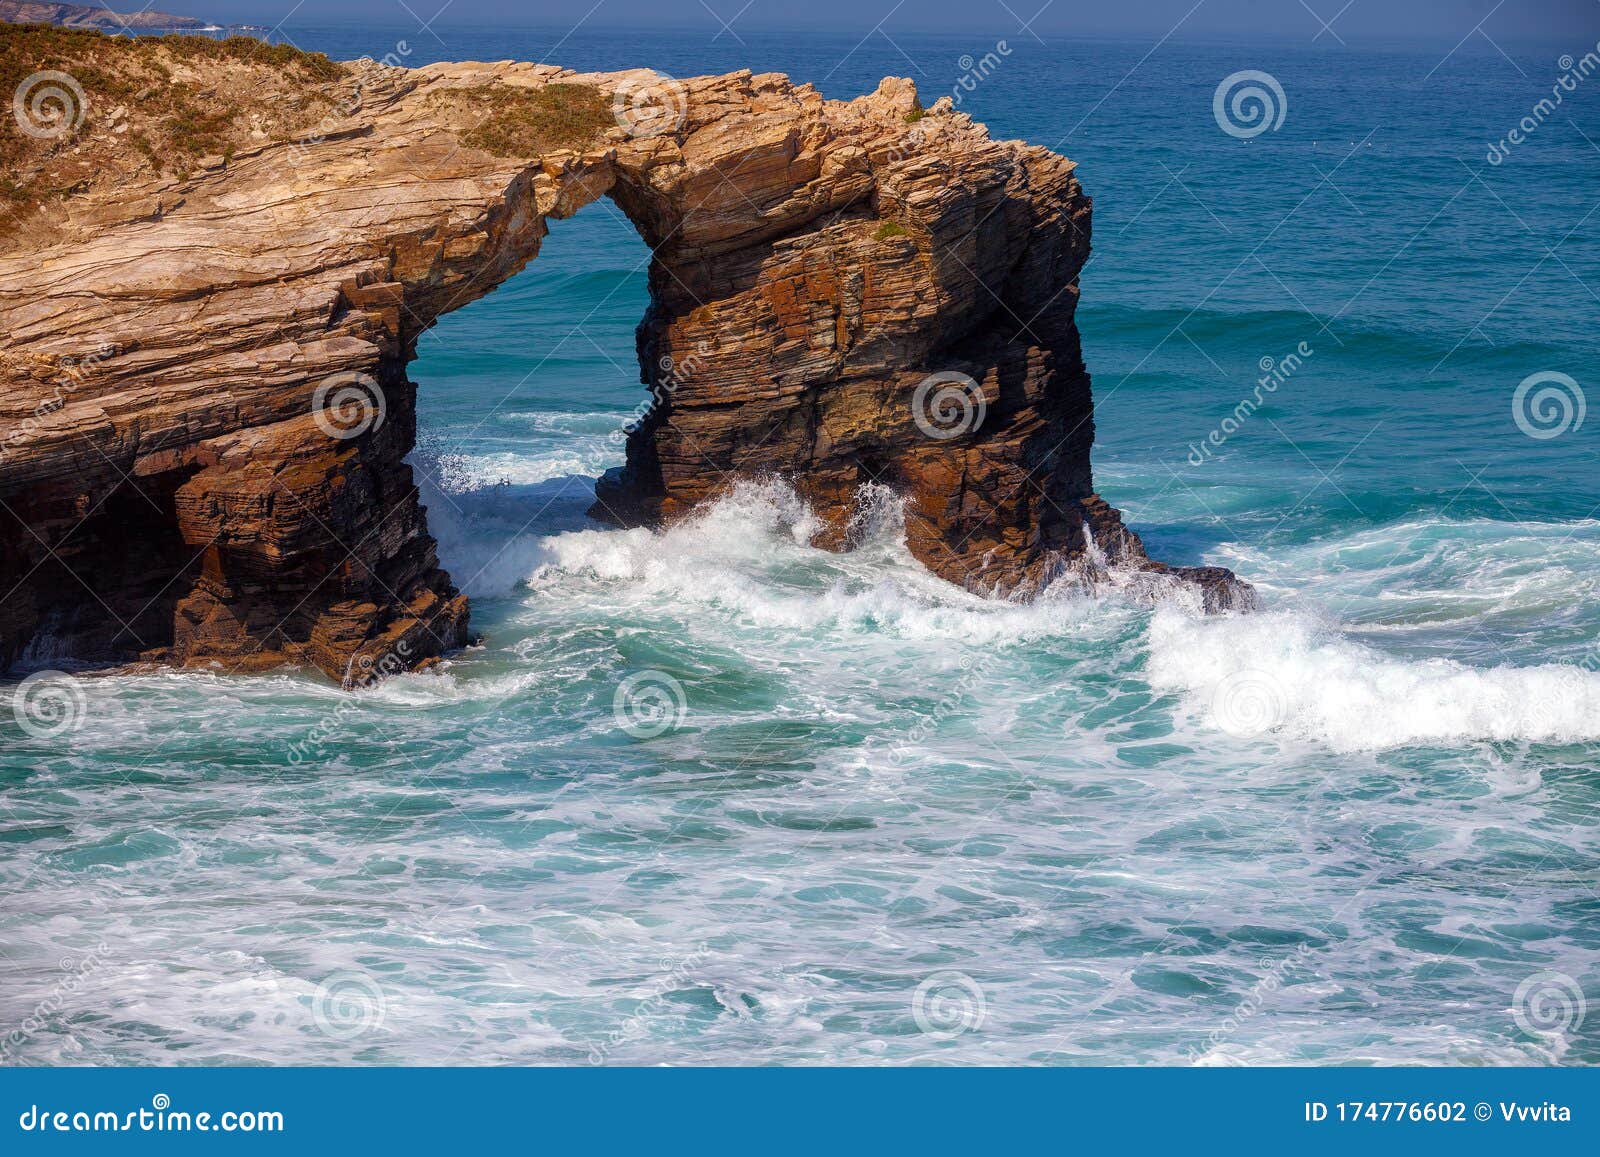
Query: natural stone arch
column 814, row 262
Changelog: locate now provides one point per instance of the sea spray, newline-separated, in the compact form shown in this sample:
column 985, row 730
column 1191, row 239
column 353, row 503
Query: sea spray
column 1295, row 679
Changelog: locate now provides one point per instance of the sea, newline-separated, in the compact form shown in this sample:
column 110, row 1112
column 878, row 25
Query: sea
column 711, row 796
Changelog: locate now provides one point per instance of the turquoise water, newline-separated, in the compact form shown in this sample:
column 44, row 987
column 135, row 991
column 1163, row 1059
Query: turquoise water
column 853, row 814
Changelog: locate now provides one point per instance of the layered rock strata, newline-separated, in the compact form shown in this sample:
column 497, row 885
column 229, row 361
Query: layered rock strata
column 204, row 404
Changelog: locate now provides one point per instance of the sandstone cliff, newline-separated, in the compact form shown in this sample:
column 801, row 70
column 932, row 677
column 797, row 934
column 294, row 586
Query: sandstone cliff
column 205, row 327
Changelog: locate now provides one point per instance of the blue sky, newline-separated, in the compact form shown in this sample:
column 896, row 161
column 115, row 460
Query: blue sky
column 1569, row 22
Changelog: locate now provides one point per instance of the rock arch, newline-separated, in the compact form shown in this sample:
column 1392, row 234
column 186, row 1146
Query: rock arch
column 178, row 480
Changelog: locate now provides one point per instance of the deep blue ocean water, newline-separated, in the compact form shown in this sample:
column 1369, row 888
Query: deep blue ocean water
column 896, row 822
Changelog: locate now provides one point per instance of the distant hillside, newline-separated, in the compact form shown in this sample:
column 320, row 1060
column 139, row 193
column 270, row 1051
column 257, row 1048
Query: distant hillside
column 84, row 16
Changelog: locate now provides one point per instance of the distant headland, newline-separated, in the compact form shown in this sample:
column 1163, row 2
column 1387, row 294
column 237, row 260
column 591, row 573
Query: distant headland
column 104, row 20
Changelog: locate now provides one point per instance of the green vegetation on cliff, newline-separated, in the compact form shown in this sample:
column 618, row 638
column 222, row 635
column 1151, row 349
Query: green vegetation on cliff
column 524, row 122
column 93, row 106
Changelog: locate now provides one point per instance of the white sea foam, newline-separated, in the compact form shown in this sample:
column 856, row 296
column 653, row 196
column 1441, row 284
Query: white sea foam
column 1461, row 559
column 483, row 531
column 1038, row 795
column 580, row 422
column 1282, row 673
column 586, row 458
column 748, row 557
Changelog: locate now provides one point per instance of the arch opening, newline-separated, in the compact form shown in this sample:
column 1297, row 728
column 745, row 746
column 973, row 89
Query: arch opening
column 525, row 398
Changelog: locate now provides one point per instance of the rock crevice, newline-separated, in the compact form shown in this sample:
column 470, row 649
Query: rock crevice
column 205, row 411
